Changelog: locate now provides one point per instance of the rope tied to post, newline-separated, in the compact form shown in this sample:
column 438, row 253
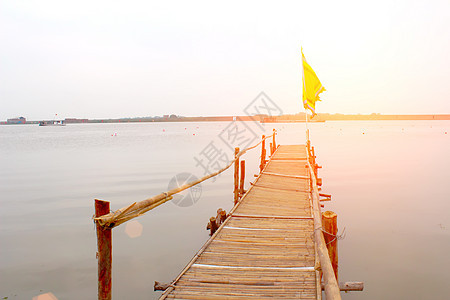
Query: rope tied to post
column 335, row 236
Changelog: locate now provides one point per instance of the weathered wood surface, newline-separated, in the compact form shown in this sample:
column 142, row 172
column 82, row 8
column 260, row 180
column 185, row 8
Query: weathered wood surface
column 330, row 229
column 331, row 286
column 236, row 175
column 352, row 286
column 104, row 253
column 242, row 179
column 265, row 248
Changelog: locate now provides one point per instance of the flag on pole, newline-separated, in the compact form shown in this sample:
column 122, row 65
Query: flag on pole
column 311, row 87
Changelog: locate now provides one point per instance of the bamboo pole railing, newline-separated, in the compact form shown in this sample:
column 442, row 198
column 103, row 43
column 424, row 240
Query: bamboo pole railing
column 106, row 221
column 137, row 209
column 330, row 284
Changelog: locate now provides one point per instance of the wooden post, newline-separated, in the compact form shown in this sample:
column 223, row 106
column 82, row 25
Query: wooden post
column 212, row 225
column 273, row 140
column 308, row 142
column 236, row 176
column 221, row 216
column 271, row 149
column 263, row 153
column 241, row 184
column 329, row 225
column 104, row 252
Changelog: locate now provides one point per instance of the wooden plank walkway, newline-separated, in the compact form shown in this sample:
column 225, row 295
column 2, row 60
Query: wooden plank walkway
column 265, row 249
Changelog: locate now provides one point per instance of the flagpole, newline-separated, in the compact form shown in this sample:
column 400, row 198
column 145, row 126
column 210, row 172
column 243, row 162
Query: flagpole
column 306, row 112
column 307, row 128
column 311, row 90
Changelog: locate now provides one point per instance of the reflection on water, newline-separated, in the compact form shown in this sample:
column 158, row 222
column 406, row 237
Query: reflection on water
column 133, row 228
column 46, row 296
column 388, row 179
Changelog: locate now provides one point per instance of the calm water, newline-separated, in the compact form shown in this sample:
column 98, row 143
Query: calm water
column 389, row 181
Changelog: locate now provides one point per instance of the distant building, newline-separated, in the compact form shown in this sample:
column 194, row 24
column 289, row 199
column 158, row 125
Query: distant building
column 74, row 120
column 19, row 120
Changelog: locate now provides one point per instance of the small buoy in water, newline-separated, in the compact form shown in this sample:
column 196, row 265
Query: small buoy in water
column 363, row 132
column 164, row 130
column 185, row 128
column 193, row 134
column 446, row 132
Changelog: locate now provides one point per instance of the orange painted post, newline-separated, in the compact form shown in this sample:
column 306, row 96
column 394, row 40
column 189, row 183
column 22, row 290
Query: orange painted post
column 264, row 161
column 241, row 184
column 263, row 153
column 273, row 142
column 271, row 149
column 104, row 253
column 313, row 163
column 329, row 225
column 236, row 176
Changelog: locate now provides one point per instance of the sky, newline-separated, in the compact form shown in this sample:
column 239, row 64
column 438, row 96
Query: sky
column 110, row 59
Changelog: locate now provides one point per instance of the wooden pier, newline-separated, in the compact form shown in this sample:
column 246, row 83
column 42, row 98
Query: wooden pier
column 274, row 243
column 266, row 247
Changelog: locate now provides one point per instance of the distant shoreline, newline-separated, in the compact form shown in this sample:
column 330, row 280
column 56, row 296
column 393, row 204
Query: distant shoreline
column 298, row 118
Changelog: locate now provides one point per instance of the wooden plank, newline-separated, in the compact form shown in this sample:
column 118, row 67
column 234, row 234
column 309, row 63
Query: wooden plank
column 269, row 223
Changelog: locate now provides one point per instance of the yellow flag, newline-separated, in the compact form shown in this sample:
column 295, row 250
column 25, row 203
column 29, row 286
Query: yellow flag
column 311, row 87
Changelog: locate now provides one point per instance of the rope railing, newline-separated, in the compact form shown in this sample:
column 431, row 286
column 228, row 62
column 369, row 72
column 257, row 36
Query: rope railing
column 137, row 209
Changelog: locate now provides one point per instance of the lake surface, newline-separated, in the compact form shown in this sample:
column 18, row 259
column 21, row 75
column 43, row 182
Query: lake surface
column 388, row 179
